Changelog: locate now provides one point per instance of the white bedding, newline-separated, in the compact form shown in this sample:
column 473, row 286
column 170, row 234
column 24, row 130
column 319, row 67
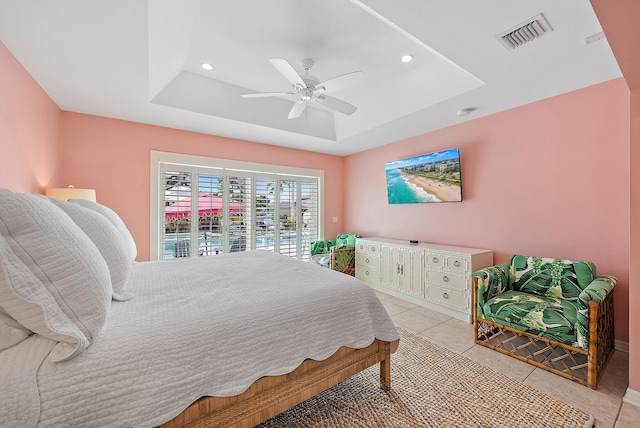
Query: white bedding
column 201, row 326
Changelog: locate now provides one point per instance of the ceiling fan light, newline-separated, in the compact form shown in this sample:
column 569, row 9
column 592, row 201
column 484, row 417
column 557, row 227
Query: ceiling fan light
column 207, row 66
column 406, row 58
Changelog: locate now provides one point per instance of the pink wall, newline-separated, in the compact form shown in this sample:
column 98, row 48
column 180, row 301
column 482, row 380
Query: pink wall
column 29, row 130
column 618, row 22
column 634, row 258
column 113, row 156
column 525, row 172
column 549, row 178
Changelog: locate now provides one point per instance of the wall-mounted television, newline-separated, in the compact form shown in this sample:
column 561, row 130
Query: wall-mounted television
column 432, row 177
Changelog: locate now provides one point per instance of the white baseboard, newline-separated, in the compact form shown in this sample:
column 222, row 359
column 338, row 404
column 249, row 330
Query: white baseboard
column 621, row 346
column 632, row 397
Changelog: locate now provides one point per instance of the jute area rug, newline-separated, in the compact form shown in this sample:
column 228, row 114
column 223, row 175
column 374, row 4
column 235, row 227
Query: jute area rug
column 432, row 387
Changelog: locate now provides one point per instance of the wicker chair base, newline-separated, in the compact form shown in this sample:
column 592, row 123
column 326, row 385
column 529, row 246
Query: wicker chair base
column 344, row 260
column 568, row 361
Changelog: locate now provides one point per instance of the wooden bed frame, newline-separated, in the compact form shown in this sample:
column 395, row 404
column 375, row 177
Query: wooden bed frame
column 271, row 395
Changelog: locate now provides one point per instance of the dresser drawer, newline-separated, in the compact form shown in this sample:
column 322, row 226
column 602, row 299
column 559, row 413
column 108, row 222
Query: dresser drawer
column 448, row 298
column 447, row 280
column 457, row 264
column 368, row 273
column 369, row 248
column 435, row 260
column 434, row 276
column 367, row 260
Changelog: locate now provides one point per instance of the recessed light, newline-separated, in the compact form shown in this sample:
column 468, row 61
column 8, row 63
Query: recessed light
column 406, row 58
column 207, row 66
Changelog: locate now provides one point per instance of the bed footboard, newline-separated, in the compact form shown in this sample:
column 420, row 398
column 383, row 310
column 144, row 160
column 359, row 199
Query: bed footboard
column 271, row 395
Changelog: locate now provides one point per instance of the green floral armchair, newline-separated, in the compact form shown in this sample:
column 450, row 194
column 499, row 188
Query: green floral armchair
column 338, row 254
column 534, row 305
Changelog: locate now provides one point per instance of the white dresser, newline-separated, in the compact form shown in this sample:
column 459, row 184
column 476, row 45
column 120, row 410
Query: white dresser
column 434, row 276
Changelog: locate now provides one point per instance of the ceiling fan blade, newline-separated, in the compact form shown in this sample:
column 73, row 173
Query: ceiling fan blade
column 342, row 82
column 287, row 70
column 266, row 94
column 297, row 109
column 337, row 105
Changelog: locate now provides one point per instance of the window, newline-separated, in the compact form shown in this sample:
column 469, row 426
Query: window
column 204, row 206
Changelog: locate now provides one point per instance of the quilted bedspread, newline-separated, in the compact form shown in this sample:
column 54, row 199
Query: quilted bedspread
column 196, row 327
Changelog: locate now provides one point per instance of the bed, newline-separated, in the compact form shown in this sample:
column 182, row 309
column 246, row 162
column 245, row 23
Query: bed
column 231, row 339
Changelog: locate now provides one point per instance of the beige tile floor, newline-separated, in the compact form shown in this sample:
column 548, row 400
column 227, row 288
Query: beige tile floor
column 605, row 403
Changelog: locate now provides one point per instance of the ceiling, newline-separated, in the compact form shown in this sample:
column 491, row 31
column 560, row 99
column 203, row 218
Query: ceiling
column 140, row 61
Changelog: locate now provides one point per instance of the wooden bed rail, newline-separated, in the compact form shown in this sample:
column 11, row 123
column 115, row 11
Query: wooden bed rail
column 271, row 395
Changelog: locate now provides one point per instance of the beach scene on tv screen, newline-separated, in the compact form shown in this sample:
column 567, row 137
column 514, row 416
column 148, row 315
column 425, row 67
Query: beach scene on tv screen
column 433, row 177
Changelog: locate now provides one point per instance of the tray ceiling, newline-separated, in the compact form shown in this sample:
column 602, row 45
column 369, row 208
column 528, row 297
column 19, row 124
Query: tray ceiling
column 140, row 61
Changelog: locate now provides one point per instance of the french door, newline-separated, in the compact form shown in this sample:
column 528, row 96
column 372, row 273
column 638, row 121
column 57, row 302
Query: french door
column 205, row 211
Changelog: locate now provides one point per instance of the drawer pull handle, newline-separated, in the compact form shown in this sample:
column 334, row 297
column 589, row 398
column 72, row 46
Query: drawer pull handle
column 445, row 279
column 373, row 249
column 367, row 260
column 456, row 263
column 435, row 260
column 445, row 295
column 367, row 273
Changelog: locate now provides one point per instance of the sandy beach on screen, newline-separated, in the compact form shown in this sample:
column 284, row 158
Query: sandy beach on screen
column 443, row 191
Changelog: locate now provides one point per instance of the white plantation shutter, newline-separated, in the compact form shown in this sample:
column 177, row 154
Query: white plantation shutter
column 211, row 212
column 204, row 207
column 288, row 216
column 176, row 213
column 265, row 203
column 241, row 222
column 310, row 215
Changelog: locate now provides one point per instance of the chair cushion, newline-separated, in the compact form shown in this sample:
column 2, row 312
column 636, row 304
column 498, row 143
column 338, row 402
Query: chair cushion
column 323, row 260
column 346, row 240
column 563, row 279
column 549, row 317
column 319, row 247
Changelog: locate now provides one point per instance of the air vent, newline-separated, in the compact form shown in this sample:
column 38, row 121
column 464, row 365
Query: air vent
column 529, row 30
column 594, row 38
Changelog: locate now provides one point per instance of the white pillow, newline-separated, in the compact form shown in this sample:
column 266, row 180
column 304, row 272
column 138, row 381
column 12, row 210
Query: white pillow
column 11, row 331
column 109, row 241
column 114, row 218
column 53, row 281
column 28, row 303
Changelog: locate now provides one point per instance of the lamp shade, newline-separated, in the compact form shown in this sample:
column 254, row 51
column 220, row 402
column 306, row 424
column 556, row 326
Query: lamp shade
column 66, row 193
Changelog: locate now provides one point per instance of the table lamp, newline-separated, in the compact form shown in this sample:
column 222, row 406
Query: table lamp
column 66, row 193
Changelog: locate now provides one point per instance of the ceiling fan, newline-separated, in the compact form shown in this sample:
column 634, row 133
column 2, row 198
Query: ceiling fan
column 308, row 87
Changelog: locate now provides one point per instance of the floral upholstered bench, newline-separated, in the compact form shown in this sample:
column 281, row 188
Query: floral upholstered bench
column 555, row 314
